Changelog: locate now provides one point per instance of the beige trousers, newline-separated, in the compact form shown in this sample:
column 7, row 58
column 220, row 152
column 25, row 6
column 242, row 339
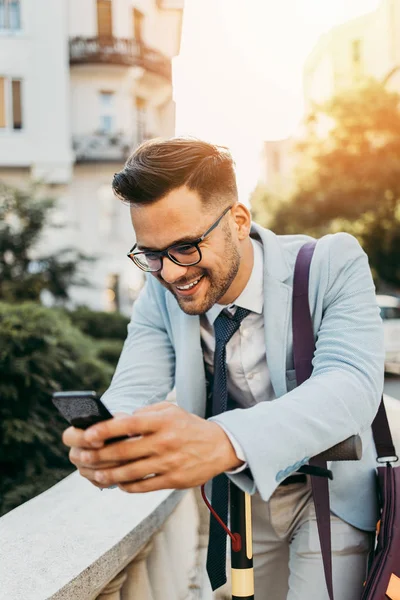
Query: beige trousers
column 287, row 556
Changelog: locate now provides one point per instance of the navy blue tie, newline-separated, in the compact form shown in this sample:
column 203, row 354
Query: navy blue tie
column 225, row 326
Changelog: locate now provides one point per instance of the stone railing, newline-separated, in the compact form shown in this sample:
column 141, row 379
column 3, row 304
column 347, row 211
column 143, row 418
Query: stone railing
column 74, row 542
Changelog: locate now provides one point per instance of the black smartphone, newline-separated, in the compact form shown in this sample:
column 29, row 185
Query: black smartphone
column 83, row 409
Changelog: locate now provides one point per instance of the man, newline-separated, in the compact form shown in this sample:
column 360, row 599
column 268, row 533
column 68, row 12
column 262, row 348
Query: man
column 206, row 262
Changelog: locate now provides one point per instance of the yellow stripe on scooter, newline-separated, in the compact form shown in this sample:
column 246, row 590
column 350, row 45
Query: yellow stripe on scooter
column 242, row 582
column 249, row 536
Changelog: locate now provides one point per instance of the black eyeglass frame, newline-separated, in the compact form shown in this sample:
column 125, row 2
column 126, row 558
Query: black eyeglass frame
column 161, row 253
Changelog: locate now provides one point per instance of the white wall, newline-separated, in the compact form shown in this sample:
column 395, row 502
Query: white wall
column 99, row 225
column 86, row 85
column 39, row 56
column 82, row 18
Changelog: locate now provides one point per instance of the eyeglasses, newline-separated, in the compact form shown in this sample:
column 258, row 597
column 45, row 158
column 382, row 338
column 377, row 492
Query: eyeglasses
column 185, row 254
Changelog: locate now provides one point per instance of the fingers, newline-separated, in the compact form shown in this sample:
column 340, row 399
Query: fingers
column 80, row 458
column 161, row 482
column 143, row 421
column 89, row 476
column 112, row 454
column 75, row 437
column 126, row 473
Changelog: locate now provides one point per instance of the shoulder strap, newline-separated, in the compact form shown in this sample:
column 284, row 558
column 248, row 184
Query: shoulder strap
column 303, row 352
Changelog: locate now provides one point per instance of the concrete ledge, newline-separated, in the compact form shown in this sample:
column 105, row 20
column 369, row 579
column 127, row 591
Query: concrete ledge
column 70, row 541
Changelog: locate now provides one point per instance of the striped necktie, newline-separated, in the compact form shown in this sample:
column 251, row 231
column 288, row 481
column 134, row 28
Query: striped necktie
column 225, row 326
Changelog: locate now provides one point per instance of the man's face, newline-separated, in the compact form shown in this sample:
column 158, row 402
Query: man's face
column 181, row 216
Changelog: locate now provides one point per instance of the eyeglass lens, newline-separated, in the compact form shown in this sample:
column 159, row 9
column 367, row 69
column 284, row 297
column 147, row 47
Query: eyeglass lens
column 184, row 254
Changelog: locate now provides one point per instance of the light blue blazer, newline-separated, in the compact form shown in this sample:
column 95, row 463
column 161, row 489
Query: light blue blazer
column 163, row 350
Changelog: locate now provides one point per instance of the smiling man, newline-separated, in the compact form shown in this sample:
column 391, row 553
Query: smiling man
column 216, row 309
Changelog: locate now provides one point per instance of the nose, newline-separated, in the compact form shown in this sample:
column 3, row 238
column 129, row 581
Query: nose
column 172, row 272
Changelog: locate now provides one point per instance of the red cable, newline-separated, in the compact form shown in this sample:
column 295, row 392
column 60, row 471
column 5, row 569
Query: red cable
column 235, row 537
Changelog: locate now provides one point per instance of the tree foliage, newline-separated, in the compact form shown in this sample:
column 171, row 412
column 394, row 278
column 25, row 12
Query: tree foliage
column 100, row 324
column 350, row 176
column 24, row 273
column 40, row 352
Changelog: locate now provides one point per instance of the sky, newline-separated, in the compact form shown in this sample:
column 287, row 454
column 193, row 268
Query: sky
column 238, row 79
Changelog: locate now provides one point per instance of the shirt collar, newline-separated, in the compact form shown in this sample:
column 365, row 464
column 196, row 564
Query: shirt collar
column 252, row 297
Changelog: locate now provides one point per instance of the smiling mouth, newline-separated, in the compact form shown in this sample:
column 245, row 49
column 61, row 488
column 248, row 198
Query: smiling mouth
column 189, row 285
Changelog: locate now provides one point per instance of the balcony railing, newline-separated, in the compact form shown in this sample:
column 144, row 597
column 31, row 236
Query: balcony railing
column 119, row 51
column 102, row 146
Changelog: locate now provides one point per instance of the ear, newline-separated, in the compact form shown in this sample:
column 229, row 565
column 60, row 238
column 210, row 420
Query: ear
column 242, row 219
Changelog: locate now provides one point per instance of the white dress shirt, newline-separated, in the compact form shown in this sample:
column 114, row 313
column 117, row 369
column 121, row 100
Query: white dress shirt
column 247, row 371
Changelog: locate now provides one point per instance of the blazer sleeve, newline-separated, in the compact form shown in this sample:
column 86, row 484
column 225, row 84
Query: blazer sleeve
column 145, row 370
column 341, row 397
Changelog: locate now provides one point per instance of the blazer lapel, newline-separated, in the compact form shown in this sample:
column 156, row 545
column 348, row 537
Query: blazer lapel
column 277, row 306
column 190, row 380
column 276, row 324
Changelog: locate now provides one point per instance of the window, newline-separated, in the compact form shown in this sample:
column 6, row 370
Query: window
column 138, row 18
column 107, row 112
column 276, row 161
column 356, row 52
column 10, row 103
column 10, row 15
column 16, row 104
column 104, row 18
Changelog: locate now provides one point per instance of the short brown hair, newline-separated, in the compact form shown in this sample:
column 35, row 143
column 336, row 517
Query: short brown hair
column 158, row 166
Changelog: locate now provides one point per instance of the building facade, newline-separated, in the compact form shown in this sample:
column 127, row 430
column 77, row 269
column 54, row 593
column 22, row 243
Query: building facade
column 278, row 160
column 82, row 82
column 368, row 46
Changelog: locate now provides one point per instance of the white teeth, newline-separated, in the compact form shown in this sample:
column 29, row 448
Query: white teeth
column 190, row 285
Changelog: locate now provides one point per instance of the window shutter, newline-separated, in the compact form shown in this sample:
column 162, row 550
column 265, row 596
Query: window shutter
column 104, row 18
column 16, row 104
column 138, row 18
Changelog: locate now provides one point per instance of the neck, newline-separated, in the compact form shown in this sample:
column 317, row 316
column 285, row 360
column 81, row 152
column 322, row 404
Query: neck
column 242, row 276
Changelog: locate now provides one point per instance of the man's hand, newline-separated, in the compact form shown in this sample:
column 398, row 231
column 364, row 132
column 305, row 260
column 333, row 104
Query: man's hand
column 74, row 438
column 177, row 449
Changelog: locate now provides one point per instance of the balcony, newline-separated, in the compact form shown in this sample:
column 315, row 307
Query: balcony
column 102, row 146
column 119, row 51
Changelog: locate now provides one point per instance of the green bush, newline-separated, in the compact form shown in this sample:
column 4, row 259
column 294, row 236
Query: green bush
column 98, row 324
column 109, row 350
column 40, row 352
